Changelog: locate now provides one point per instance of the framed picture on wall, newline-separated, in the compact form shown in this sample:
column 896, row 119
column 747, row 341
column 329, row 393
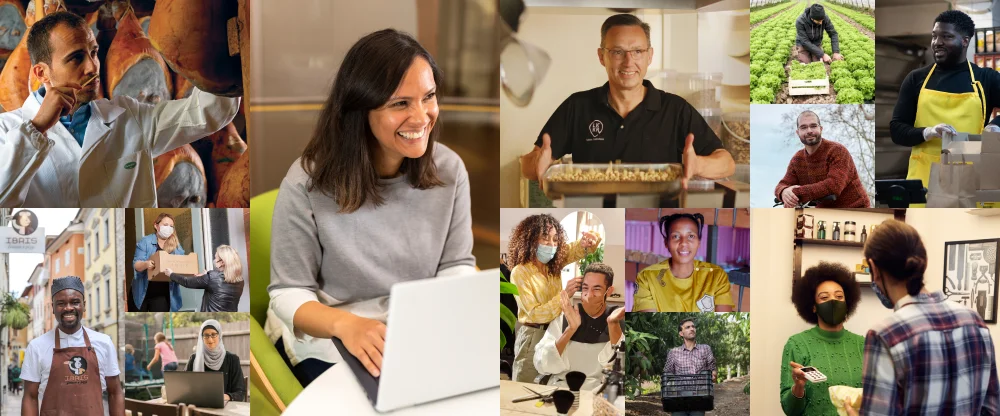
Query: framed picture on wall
column 970, row 275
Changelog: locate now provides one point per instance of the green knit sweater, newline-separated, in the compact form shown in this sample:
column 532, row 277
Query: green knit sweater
column 838, row 355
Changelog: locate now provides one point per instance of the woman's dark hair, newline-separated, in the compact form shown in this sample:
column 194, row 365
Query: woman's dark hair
column 804, row 288
column 524, row 241
column 895, row 248
column 340, row 157
column 667, row 220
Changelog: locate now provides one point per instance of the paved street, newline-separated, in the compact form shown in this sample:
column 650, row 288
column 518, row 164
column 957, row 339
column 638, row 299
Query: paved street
column 11, row 405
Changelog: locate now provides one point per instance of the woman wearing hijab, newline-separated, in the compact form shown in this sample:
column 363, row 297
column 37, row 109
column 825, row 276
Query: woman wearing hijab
column 156, row 296
column 223, row 285
column 211, row 355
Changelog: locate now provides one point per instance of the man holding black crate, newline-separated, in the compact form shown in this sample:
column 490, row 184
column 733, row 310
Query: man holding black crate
column 690, row 358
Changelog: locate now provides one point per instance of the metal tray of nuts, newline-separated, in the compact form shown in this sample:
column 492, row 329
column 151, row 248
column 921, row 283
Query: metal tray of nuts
column 607, row 179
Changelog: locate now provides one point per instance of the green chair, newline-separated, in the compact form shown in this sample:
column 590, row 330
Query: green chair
column 272, row 384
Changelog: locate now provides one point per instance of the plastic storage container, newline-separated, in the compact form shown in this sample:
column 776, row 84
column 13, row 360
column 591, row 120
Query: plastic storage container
column 736, row 136
column 687, row 392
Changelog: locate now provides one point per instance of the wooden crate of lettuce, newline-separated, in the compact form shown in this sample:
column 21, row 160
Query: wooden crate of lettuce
column 808, row 79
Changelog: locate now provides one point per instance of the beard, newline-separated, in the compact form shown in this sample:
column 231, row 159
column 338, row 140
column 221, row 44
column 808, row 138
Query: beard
column 65, row 324
column 810, row 140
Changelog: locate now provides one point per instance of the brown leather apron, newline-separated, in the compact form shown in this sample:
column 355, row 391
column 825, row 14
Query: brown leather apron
column 74, row 386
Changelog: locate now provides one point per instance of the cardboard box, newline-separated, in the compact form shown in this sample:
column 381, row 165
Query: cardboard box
column 186, row 264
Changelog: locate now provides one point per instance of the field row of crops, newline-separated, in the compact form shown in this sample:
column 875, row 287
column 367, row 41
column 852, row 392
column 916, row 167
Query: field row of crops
column 762, row 14
column 860, row 18
column 857, row 70
column 770, row 46
column 771, row 43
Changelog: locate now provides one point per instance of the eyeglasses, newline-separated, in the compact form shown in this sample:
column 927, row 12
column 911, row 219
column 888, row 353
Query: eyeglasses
column 619, row 54
column 210, row 336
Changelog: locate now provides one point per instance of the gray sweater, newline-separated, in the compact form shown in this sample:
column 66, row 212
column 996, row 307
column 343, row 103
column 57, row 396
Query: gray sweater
column 359, row 256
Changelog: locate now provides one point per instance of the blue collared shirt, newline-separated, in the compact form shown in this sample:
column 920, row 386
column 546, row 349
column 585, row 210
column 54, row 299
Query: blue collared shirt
column 76, row 123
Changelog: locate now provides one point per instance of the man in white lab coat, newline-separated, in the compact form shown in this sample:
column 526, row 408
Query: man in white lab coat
column 65, row 148
column 582, row 338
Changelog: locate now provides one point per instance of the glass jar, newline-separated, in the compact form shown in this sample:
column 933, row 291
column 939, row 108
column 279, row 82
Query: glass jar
column 849, row 236
column 849, row 227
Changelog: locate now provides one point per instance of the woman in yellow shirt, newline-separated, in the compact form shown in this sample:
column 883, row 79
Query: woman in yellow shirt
column 536, row 254
column 681, row 283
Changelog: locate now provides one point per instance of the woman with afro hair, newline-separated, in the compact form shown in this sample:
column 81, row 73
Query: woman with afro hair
column 825, row 296
column 681, row 283
column 536, row 254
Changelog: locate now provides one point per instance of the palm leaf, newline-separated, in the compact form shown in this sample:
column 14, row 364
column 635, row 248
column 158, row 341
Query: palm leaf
column 508, row 289
column 507, row 316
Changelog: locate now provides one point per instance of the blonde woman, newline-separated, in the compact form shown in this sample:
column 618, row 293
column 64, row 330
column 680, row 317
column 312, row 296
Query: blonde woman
column 223, row 285
column 156, row 296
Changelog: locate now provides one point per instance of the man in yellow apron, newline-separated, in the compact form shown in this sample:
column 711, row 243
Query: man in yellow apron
column 952, row 95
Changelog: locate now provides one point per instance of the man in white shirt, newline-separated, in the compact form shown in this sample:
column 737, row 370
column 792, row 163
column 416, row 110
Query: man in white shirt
column 66, row 148
column 582, row 338
column 76, row 373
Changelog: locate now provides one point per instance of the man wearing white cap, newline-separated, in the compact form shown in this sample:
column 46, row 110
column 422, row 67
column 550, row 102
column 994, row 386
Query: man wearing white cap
column 74, row 368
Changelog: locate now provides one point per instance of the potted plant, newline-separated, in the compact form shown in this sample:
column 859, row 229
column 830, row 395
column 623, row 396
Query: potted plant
column 13, row 313
column 596, row 257
column 508, row 317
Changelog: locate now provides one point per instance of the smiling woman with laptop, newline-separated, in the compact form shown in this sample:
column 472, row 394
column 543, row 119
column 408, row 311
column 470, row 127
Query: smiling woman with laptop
column 374, row 201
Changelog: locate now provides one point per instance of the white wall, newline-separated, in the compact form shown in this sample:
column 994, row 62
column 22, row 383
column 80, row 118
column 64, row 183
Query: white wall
column 683, row 42
column 774, row 322
column 614, row 238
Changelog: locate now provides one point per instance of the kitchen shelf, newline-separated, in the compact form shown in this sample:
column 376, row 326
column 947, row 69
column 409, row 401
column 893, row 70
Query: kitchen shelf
column 897, row 213
column 841, row 243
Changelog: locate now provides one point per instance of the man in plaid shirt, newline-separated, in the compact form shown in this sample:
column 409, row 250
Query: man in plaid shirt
column 931, row 356
column 690, row 358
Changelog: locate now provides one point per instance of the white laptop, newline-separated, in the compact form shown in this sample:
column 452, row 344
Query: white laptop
column 440, row 341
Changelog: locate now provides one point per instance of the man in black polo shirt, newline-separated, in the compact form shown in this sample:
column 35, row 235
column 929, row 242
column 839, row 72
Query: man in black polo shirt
column 627, row 119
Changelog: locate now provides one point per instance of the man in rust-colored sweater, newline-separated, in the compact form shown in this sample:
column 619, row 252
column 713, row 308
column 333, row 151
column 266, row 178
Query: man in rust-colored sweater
column 822, row 168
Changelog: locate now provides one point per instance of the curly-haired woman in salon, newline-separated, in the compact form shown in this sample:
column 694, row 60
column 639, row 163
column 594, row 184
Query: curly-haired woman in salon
column 681, row 283
column 536, row 254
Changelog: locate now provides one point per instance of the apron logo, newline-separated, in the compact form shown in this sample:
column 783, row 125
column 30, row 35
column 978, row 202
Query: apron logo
column 596, row 127
column 77, row 365
column 129, row 165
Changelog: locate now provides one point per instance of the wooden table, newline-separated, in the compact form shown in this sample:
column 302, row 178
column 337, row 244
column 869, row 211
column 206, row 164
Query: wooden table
column 510, row 390
column 231, row 409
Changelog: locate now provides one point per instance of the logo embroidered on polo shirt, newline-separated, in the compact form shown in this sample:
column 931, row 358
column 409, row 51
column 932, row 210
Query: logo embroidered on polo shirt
column 129, row 165
column 596, row 127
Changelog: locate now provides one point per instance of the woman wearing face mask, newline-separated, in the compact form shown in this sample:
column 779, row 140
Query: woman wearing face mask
column 825, row 296
column 223, row 285
column 681, row 283
column 536, row 254
column 374, row 200
column 931, row 356
column 156, row 296
column 211, row 355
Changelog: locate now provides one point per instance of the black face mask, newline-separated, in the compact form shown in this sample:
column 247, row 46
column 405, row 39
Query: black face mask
column 833, row 311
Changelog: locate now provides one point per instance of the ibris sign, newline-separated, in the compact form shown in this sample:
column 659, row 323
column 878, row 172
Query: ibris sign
column 24, row 234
